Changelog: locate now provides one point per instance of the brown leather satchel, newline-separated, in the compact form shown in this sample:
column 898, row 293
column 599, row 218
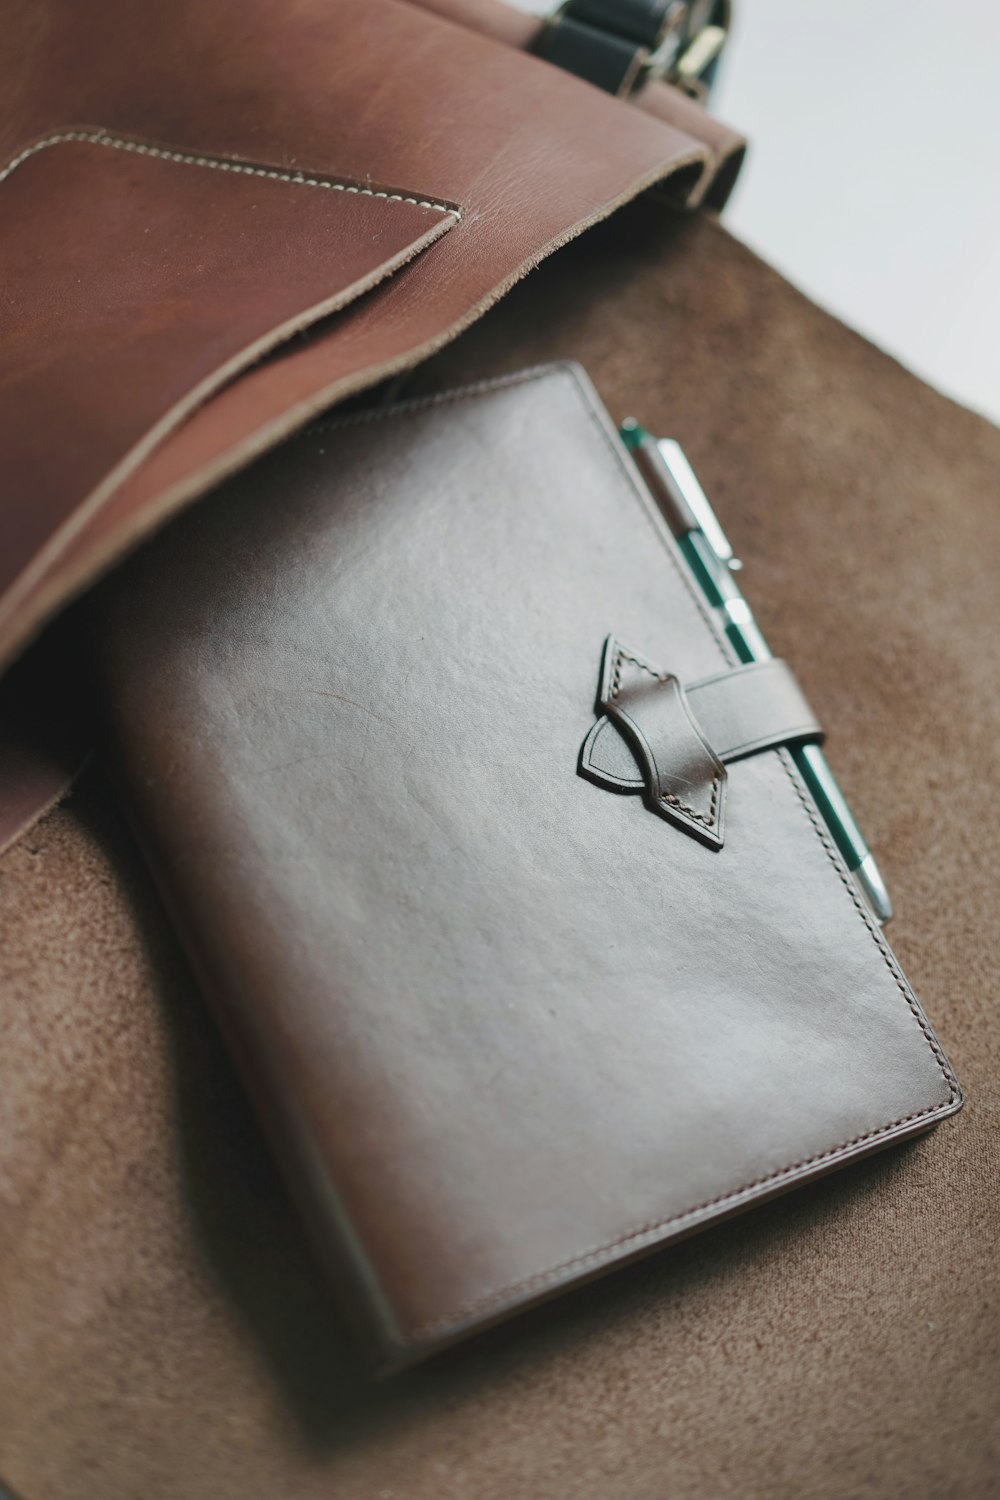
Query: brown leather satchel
column 222, row 222
column 191, row 233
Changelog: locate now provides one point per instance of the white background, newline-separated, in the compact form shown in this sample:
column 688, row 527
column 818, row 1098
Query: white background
column 874, row 175
column 873, row 180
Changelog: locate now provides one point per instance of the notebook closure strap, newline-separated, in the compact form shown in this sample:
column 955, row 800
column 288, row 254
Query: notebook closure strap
column 672, row 741
column 753, row 708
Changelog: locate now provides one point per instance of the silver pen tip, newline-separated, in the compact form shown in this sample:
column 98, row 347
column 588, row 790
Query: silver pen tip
column 869, row 878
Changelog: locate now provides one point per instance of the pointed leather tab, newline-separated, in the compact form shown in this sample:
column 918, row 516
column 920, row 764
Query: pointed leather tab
column 684, row 780
column 607, row 759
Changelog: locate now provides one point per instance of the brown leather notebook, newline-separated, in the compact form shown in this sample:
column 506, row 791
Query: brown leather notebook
column 377, row 708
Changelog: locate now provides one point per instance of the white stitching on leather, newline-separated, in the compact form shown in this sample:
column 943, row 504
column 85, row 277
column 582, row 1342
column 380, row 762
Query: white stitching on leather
column 622, row 655
column 216, row 164
column 650, row 1232
column 707, row 820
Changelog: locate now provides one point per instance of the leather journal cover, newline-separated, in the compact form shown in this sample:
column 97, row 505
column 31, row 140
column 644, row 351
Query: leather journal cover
column 508, row 1026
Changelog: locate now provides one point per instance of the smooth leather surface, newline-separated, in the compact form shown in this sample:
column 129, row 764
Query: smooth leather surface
column 505, row 23
column 125, row 314
column 504, row 1032
column 529, row 154
column 726, row 147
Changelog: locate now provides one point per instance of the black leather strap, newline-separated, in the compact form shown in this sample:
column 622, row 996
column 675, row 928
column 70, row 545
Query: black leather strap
column 603, row 58
column 617, row 44
column 640, row 20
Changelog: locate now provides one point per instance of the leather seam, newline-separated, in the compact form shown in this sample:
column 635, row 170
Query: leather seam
column 841, row 869
column 876, row 934
column 215, row 164
column 622, row 655
column 707, row 820
column 610, row 1249
column 475, row 388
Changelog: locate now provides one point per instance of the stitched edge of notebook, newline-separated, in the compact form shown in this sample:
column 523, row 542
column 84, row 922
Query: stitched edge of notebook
column 99, row 137
column 647, row 1234
column 650, row 1231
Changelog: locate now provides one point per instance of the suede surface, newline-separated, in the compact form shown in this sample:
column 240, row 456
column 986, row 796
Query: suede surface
column 165, row 1330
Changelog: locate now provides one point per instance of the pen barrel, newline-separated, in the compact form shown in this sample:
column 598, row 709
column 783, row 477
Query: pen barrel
column 725, row 596
column 702, row 542
column 816, row 773
column 662, row 485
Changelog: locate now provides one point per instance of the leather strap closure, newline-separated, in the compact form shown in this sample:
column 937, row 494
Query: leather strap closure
column 619, row 45
column 673, row 742
column 753, row 708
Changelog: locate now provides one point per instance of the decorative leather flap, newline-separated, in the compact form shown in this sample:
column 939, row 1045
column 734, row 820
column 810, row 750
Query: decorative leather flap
column 673, row 741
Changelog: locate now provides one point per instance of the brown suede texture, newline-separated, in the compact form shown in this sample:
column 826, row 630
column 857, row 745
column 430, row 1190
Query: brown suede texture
column 165, row 1331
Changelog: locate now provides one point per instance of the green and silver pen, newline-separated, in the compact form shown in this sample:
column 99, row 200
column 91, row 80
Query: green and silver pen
column 689, row 515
